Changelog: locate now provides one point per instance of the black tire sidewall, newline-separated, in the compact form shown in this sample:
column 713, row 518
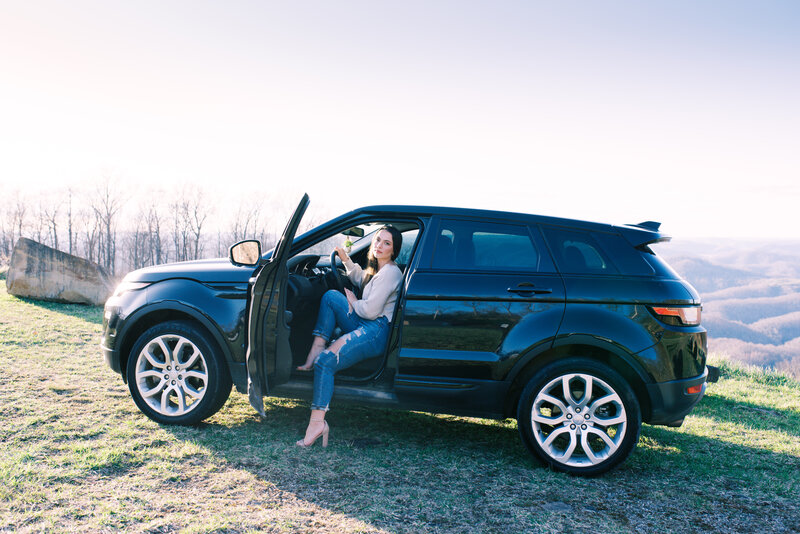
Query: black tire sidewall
column 219, row 382
column 598, row 370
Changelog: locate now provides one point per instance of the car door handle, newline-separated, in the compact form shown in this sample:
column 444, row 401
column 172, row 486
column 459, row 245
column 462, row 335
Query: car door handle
column 526, row 289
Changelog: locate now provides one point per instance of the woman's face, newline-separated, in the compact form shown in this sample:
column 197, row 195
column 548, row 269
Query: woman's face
column 382, row 246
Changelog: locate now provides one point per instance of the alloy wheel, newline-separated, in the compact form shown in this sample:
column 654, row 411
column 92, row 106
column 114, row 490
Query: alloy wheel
column 171, row 375
column 578, row 420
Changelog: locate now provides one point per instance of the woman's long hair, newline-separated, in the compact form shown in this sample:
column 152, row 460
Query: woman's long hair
column 372, row 261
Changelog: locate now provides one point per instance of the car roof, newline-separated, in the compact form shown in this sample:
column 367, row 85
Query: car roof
column 637, row 234
column 472, row 212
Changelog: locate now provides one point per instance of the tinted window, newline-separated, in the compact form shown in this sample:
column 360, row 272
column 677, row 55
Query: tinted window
column 658, row 263
column 474, row 245
column 409, row 237
column 578, row 252
column 626, row 258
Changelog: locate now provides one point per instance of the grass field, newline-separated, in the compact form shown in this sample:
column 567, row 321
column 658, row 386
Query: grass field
column 76, row 455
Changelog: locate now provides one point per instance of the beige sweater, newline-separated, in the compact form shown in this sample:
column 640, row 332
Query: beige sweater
column 380, row 295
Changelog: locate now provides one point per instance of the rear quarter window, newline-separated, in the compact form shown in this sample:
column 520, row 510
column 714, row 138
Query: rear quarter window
column 658, row 263
column 628, row 260
column 578, row 252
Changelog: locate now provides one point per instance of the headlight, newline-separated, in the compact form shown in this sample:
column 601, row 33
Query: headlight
column 124, row 287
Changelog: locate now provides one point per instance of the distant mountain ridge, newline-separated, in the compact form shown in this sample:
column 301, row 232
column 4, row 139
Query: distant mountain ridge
column 751, row 296
column 709, row 277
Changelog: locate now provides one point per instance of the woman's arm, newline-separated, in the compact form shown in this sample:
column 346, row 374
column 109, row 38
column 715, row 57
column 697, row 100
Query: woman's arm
column 380, row 291
column 354, row 271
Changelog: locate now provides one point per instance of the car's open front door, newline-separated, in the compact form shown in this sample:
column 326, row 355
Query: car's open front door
column 268, row 350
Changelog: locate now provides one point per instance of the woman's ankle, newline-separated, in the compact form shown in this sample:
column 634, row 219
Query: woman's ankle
column 316, row 349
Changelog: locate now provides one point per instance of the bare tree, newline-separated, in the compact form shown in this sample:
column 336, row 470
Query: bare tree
column 90, row 223
column 18, row 218
column 155, row 239
column 50, row 215
column 106, row 205
column 38, row 230
column 91, row 231
column 195, row 212
column 180, row 230
column 69, row 221
column 5, row 238
column 136, row 243
column 144, row 245
column 246, row 221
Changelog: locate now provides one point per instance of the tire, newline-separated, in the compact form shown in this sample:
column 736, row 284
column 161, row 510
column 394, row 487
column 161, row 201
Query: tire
column 575, row 433
column 175, row 374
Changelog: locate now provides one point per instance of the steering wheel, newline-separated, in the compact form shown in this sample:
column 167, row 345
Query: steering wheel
column 336, row 276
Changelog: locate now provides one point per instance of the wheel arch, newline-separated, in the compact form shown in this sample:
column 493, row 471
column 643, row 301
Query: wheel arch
column 584, row 347
column 162, row 312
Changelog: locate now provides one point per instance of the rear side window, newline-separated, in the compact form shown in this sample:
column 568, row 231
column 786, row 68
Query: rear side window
column 578, row 252
column 629, row 260
column 658, row 263
column 477, row 245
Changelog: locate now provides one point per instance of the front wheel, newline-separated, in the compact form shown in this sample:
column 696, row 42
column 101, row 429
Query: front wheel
column 176, row 376
column 579, row 417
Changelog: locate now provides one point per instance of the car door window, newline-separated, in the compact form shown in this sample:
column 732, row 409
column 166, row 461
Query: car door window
column 487, row 246
column 409, row 238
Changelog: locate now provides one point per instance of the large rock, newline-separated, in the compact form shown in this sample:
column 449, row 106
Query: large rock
column 40, row 272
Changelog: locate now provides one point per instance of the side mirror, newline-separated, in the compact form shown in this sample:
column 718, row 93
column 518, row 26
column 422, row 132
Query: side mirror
column 245, row 253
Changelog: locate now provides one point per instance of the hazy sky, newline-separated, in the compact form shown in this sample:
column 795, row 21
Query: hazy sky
column 683, row 112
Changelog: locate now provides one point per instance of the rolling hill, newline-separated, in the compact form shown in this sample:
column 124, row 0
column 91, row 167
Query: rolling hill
column 751, row 297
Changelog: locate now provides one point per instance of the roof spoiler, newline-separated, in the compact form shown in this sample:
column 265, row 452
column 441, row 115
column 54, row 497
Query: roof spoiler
column 643, row 234
column 653, row 226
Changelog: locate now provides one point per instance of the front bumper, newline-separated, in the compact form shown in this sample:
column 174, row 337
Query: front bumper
column 670, row 401
column 108, row 343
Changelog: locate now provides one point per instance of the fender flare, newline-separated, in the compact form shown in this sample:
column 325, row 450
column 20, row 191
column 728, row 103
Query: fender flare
column 544, row 354
column 133, row 321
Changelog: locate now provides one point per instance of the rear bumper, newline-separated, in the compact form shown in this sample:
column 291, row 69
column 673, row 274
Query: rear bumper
column 670, row 401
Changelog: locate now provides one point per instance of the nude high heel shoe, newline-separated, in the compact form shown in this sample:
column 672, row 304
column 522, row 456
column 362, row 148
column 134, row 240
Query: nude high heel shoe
column 324, row 433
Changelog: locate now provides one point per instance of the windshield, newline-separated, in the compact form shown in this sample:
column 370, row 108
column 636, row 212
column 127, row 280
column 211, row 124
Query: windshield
column 327, row 245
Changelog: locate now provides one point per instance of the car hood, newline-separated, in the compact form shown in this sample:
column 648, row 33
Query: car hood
column 216, row 270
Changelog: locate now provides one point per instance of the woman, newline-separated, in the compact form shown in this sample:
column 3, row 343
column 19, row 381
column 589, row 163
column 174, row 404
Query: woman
column 365, row 323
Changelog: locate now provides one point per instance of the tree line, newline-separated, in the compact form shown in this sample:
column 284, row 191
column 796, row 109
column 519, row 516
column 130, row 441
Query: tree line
column 122, row 231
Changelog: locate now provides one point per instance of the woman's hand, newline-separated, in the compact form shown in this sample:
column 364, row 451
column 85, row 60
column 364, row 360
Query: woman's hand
column 342, row 254
column 351, row 298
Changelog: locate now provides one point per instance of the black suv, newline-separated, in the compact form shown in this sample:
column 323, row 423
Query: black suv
column 577, row 329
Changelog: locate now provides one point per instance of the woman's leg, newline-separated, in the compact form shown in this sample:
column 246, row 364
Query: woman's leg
column 333, row 311
column 365, row 342
column 317, row 346
column 316, row 427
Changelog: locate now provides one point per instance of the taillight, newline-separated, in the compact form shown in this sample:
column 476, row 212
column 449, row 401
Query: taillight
column 678, row 316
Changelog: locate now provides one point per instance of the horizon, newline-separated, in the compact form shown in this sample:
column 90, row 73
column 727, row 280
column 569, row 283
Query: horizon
column 221, row 211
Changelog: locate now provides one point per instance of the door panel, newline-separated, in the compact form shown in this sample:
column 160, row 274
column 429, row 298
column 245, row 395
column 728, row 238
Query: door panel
column 468, row 325
column 490, row 294
column 268, row 350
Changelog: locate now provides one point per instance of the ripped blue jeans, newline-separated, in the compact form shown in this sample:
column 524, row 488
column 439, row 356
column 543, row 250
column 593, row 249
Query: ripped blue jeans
column 366, row 338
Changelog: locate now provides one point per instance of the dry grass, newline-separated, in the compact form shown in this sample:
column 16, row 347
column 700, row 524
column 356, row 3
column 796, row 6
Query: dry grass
column 76, row 455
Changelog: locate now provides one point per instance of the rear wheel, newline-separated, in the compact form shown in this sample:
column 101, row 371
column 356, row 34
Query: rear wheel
column 176, row 376
column 579, row 417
